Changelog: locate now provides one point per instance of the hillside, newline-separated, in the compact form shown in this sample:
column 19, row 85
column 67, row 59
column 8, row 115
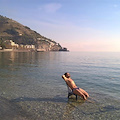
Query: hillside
column 23, row 35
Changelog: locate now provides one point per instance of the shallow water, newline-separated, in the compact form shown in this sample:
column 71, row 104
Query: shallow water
column 31, row 87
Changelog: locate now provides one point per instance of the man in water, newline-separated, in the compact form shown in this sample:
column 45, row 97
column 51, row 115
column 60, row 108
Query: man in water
column 75, row 89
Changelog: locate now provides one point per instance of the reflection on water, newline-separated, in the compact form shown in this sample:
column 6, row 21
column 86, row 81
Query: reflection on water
column 11, row 58
column 31, row 87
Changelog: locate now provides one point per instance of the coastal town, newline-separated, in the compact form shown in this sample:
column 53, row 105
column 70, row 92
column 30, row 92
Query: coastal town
column 12, row 46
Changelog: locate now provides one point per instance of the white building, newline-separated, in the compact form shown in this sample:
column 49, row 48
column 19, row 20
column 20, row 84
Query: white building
column 13, row 44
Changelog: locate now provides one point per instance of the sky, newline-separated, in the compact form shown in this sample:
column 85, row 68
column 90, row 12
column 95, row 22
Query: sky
column 79, row 25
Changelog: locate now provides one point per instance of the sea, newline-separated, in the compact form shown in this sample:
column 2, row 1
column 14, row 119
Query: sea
column 32, row 88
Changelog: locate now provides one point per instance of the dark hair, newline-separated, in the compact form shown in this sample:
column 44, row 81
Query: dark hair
column 65, row 74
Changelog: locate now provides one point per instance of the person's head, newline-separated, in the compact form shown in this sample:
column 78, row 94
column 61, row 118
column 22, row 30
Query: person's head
column 67, row 75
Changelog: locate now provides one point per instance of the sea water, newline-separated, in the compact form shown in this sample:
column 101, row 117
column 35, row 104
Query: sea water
column 31, row 87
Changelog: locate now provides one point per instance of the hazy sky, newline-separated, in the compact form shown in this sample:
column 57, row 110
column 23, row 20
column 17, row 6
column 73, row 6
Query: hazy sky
column 79, row 25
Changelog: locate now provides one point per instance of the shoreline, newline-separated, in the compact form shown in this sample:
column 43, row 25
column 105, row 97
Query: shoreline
column 25, row 50
column 11, row 50
column 15, row 50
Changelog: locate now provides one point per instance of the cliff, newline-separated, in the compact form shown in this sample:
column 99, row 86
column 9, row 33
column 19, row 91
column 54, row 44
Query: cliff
column 23, row 37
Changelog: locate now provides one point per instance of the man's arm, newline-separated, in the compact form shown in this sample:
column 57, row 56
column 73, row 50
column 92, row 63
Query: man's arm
column 63, row 76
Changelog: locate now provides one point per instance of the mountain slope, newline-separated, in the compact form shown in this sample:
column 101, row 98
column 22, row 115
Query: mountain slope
column 20, row 34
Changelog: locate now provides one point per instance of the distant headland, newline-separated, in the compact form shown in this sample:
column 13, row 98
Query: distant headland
column 17, row 37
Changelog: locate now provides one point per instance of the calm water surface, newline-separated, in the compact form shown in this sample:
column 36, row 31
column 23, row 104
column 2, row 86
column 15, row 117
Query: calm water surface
column 31, row 87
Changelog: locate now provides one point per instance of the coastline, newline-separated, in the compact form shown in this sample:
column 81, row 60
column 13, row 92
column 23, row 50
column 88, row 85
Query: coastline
column 29, row 50
column 11, row 50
